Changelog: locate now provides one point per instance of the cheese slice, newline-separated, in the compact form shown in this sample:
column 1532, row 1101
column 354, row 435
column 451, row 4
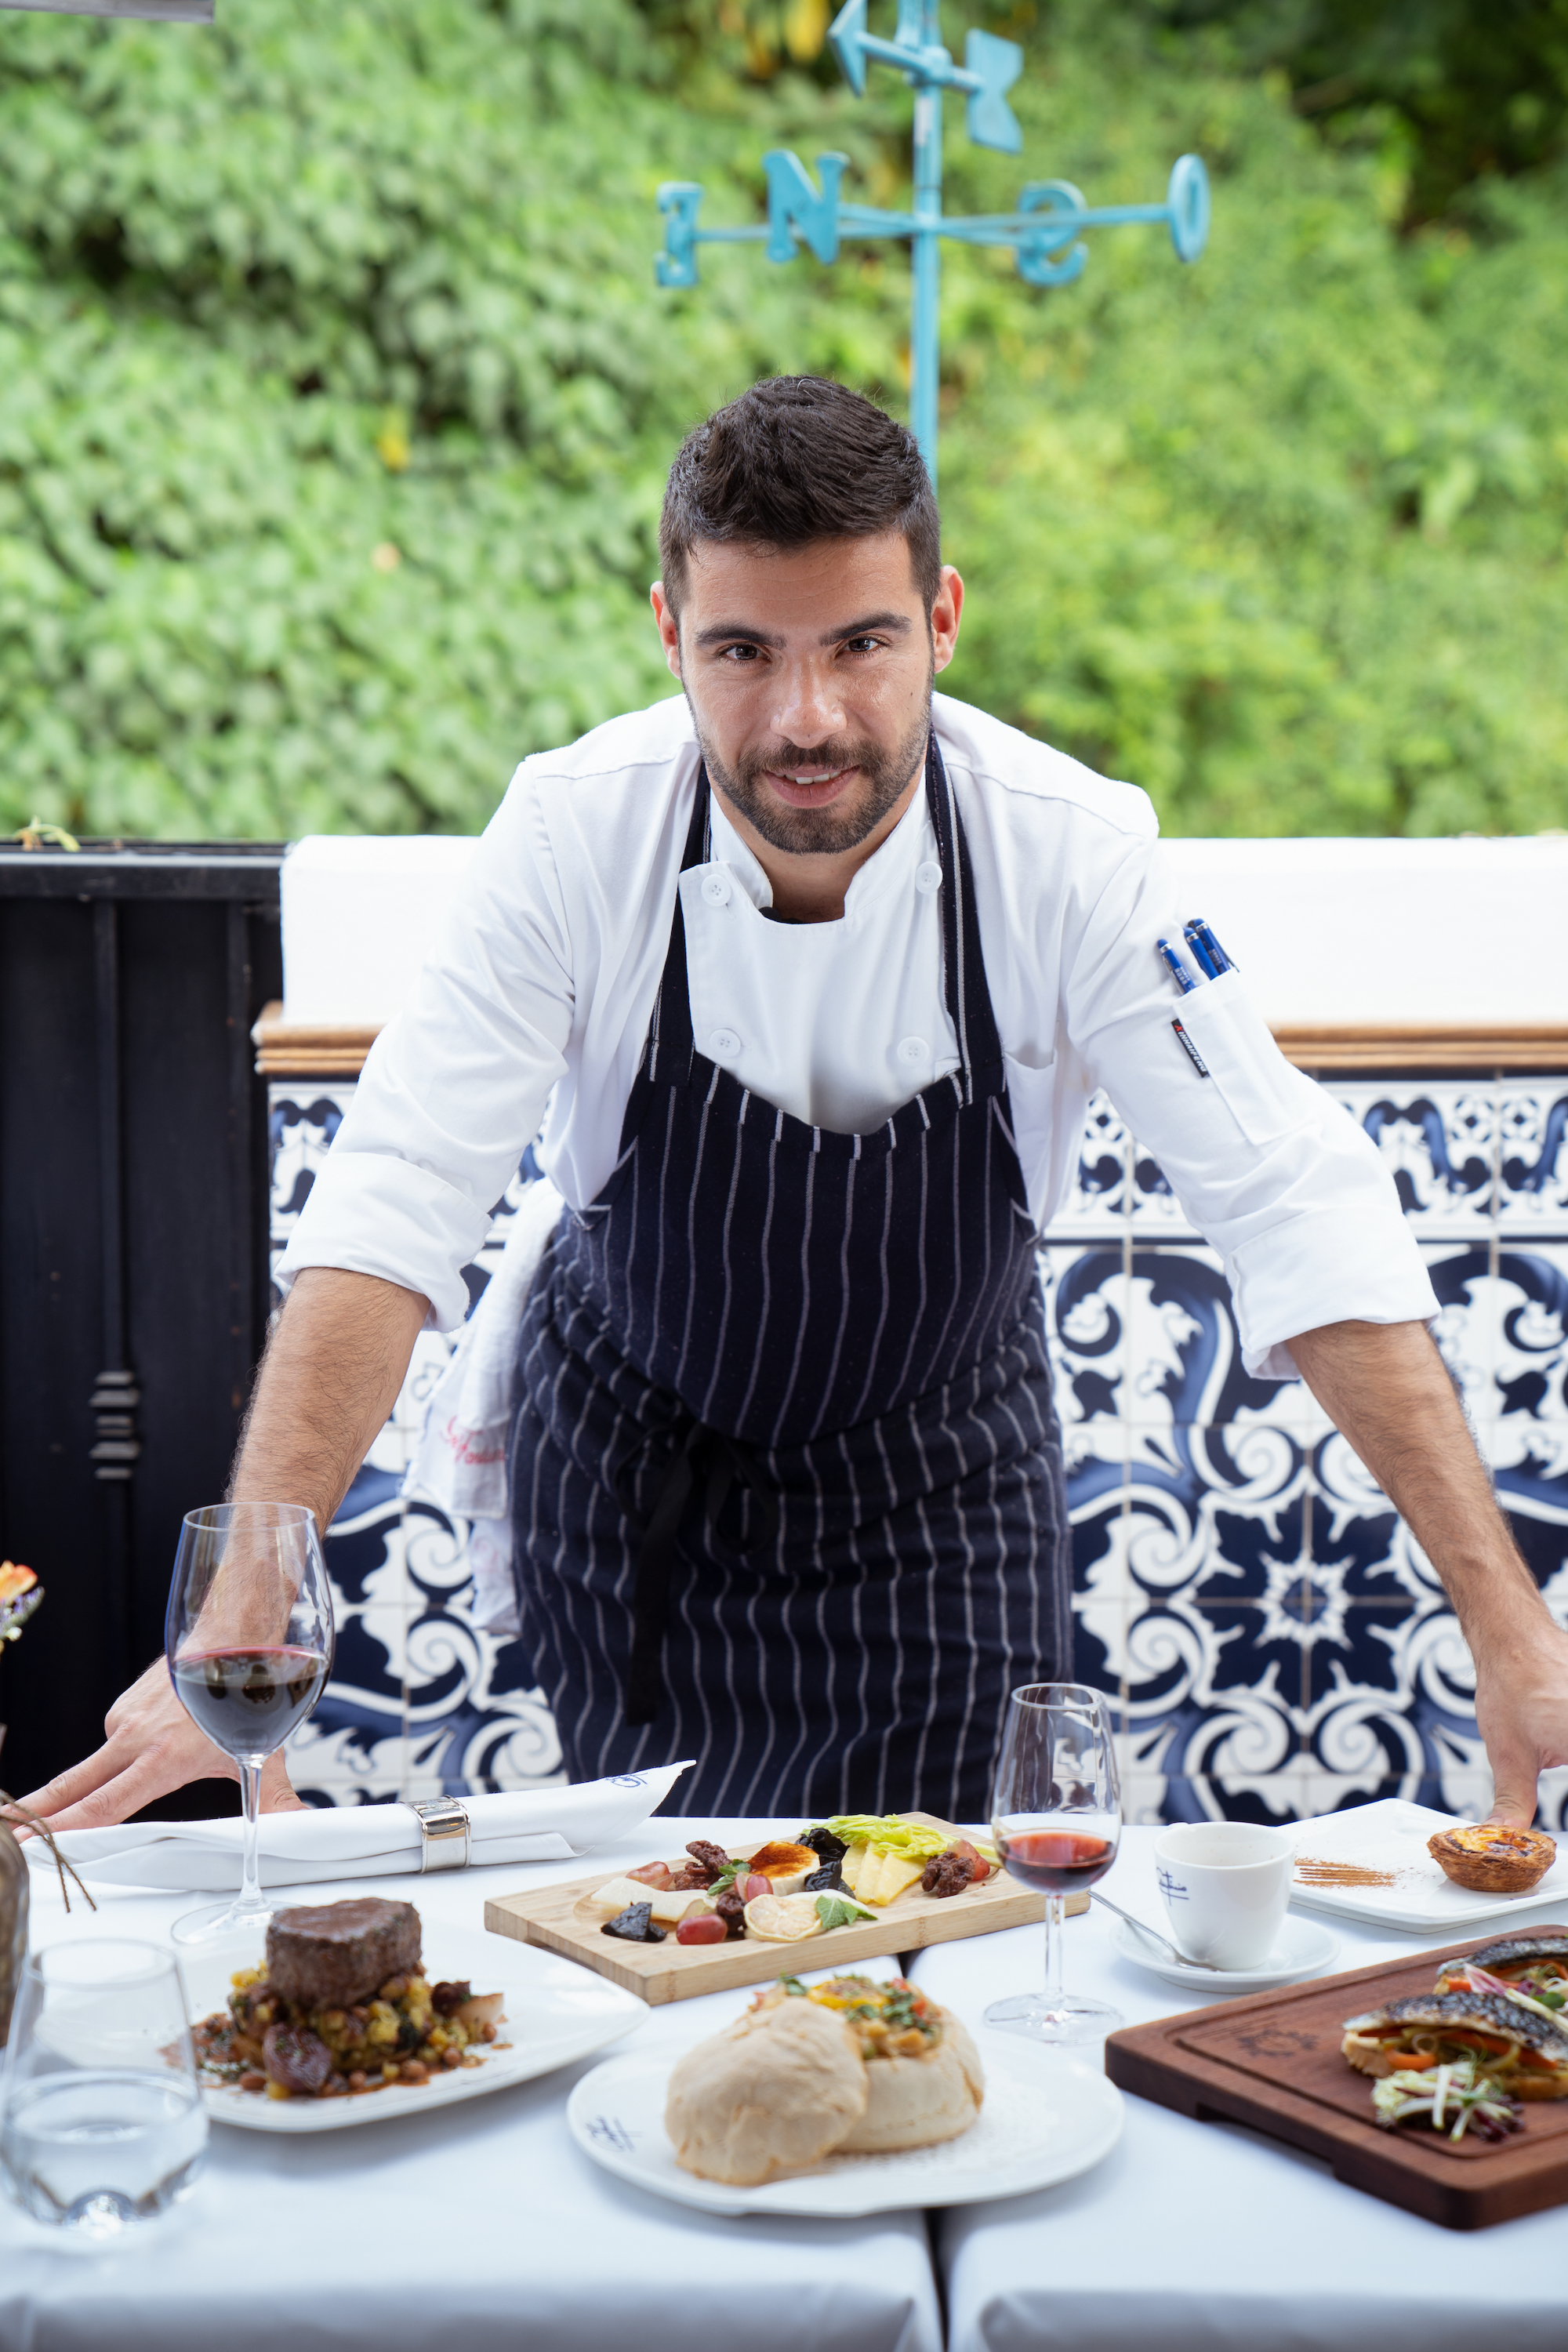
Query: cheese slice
column 611, row 1899
column 671, row 1904
column 852, row 1866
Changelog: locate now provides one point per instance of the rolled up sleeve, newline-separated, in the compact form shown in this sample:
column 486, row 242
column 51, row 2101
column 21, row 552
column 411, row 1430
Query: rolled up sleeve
column 455, row 1087
column 1272, row 1172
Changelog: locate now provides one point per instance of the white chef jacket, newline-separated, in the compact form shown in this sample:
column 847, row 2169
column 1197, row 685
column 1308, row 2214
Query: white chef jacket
column 535, row 1003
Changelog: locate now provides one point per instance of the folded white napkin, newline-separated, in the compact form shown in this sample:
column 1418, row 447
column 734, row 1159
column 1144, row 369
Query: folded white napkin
column 362, row 1841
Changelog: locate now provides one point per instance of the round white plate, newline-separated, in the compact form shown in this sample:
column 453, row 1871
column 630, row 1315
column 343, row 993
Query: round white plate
column 555, row 2011
column 1046, row 2116
column 1305, row 1949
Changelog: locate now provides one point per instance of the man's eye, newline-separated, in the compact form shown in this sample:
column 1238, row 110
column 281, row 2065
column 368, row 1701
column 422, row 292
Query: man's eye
column 862, row 645
column 739, row 653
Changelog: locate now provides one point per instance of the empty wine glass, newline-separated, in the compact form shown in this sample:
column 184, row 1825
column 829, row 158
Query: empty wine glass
column 103, row 2123
column 1055, row 1818
column 249, row 1642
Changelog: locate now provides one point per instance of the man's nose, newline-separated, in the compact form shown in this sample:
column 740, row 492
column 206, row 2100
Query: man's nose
column 809, row 709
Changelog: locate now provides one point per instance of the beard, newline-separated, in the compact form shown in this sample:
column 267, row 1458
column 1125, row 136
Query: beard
column 843, row 825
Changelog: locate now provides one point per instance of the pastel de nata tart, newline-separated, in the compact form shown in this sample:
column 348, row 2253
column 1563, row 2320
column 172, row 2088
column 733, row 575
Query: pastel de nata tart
column 1490, row 1858
column 1526, row 2055
column 856, row 2065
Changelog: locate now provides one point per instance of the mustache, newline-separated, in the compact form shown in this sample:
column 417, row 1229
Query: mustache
column 839, row 752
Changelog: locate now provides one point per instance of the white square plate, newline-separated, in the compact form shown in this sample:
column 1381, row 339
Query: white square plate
column 1391, row 1836
column 555, row 2011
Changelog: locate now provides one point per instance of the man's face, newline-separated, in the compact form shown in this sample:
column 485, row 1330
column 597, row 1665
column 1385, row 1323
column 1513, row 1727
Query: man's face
column 809, row 674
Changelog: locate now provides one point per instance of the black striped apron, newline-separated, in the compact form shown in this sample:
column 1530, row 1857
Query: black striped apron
column 786, row 1476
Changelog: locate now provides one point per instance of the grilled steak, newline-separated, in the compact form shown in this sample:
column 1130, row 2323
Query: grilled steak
column 328, row 1955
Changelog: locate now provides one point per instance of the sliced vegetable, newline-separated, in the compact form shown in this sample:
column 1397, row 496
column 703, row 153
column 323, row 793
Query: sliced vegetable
column 1455, row 2099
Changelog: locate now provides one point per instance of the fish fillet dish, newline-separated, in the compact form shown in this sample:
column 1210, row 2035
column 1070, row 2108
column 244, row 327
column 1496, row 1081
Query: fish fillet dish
column 1523, row 2053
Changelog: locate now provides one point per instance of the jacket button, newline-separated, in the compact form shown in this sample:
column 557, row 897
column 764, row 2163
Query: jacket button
column 912, row 1049
column 723, row 1045
column 715, row 889
column 928, row 877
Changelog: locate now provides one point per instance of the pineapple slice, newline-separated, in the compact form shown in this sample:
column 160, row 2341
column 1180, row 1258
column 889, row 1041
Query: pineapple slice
column 894, row 1874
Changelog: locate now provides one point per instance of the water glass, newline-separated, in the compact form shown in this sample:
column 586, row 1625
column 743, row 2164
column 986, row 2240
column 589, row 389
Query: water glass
column 101, row 2121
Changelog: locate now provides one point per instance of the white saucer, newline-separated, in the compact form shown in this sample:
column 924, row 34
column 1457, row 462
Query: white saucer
column 1305, row 1949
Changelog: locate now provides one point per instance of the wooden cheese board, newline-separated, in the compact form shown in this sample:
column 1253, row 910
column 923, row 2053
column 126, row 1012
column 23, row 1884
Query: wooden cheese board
column 551, row 1917
column 1272, row 2059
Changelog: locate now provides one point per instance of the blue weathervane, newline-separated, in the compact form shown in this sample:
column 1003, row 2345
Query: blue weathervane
column 1043, row 231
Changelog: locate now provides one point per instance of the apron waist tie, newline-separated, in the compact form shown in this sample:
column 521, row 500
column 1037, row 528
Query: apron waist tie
column 727, row 1466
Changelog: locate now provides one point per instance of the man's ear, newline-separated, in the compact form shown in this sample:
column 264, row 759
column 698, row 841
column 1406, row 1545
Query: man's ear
column 668, row 627
column 945, row 616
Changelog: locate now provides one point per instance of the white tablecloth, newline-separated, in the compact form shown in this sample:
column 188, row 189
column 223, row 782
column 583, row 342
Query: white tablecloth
column 469, row 2232
column 1202, row 2237
column 484, row 2228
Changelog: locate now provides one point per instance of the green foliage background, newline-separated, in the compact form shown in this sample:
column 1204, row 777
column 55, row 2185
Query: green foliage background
column 336, row 394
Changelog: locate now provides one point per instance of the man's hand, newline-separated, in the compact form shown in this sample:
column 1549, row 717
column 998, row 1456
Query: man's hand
column 330, row 1375
column 152, row 1748
column 1384, row 1385
column 1521, row 1713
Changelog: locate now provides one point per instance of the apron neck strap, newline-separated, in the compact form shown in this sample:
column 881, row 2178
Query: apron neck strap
column 963, row 964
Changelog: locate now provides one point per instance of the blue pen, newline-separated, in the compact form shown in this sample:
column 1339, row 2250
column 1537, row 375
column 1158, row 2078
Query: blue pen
column 1192, row 934
column 1217, row 955
column 1177, row 969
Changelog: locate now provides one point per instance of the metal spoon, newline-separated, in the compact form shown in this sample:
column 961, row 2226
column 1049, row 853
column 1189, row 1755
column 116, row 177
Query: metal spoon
column 1180, row 1957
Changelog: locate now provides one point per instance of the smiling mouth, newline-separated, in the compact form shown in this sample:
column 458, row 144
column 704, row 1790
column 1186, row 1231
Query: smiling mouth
column 809, row 788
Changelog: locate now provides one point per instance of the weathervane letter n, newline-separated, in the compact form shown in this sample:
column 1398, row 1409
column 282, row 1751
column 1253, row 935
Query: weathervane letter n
column 795, row 206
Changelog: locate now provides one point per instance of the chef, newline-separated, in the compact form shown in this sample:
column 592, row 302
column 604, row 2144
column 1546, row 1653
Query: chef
column 809, row 973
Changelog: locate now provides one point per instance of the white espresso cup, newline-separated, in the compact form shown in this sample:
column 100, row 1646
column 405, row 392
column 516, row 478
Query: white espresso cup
column 1225, row 1886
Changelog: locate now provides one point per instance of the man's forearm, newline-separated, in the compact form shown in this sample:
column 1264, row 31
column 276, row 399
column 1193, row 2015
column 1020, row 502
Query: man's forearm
column 330, row 1377
column 1385, row 1387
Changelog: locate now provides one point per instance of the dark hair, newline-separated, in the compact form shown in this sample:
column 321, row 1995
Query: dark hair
column 795, row 460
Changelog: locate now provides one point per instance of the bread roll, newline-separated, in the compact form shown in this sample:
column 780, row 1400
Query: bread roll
column 772, row 2095
column 915, row 2102
column 791, row 2083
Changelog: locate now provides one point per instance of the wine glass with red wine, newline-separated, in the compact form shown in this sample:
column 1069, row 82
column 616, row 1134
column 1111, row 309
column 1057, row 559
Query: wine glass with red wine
column 1055, row 1818
column 249, row 1642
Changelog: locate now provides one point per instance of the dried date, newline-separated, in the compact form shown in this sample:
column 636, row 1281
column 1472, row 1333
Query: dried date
column 947, row 1874
column 733, row 1911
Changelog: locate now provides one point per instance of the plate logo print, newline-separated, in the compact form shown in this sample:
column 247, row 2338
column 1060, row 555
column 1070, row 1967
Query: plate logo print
column 610, row 2131
column 1172, row 1889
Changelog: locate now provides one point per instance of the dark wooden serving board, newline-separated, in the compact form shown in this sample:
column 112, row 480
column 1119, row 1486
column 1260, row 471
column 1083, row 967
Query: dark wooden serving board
column 551, row 1916
column 1272, row 2059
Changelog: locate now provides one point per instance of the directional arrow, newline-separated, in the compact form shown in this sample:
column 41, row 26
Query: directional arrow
column 992, row 121
column 846, row 36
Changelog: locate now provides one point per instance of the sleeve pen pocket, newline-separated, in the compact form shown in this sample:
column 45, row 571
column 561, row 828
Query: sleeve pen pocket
column 1227, row 1041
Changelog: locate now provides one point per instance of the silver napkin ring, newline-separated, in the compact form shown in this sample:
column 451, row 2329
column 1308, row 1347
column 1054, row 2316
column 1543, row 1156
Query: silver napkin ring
column 442, row 1833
